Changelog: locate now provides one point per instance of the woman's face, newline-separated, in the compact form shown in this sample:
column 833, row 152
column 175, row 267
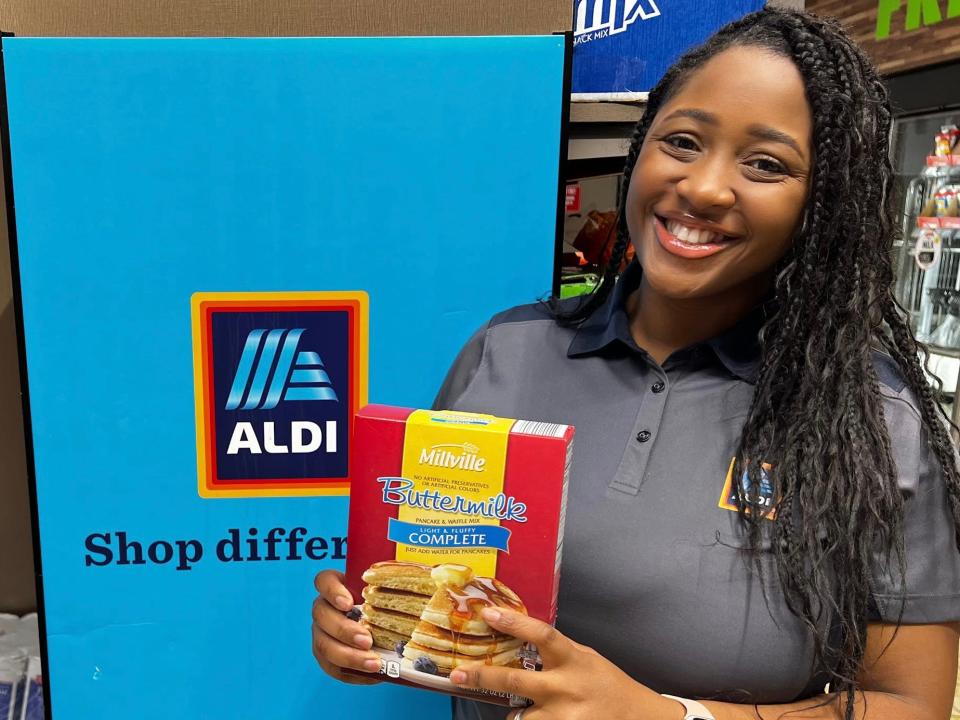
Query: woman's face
column 721, row 180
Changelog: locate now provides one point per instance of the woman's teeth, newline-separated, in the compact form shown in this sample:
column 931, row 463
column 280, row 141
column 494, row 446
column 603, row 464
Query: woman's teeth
column 693, row 236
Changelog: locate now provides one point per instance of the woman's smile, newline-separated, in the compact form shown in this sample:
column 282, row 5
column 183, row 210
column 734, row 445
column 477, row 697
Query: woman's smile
column 690, row 241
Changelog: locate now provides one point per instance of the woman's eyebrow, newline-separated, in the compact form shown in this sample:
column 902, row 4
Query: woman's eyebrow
column 695, row 114
column 763, row 132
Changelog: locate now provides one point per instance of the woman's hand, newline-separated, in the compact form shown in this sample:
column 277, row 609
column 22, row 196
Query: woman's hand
column 576, row 683
column 339, row 642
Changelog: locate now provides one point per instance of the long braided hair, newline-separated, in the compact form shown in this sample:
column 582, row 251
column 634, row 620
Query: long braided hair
column 816, row 415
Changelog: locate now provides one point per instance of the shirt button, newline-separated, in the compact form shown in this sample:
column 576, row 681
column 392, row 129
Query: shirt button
column 658, row 387
column 643, row 435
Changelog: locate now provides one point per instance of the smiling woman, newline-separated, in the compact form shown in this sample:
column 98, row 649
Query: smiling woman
column 764, row 497
column 722, row 179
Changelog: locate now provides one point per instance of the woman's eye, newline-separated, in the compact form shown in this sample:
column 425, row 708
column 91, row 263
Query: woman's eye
column 681, row 142
column 768, row 166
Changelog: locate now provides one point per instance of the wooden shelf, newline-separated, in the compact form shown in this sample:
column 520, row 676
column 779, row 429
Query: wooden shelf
column 601, row 130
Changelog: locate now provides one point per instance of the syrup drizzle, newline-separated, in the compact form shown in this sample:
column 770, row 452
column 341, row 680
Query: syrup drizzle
column 469, row 601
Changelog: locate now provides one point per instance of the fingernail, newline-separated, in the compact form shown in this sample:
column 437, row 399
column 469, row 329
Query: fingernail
column 343, row 602
column 491, row 615
column 373, row 665
column 362, row 641
column 458, row 676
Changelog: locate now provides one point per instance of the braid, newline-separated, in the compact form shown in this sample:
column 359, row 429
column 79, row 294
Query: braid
column 832, row 308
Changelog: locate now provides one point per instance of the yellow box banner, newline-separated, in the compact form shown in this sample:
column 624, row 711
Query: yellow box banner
column 453, row 454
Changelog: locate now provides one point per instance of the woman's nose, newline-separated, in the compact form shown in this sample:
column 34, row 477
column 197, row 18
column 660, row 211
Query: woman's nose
column 707, row 186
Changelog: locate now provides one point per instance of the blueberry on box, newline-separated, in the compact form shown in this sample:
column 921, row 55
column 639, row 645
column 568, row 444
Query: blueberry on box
column 425, row 664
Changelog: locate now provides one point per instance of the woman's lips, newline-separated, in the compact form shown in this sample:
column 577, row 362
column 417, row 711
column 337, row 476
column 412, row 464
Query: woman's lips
column 691, row 251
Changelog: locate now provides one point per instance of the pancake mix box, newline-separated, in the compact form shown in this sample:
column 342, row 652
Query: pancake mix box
column 450, row 513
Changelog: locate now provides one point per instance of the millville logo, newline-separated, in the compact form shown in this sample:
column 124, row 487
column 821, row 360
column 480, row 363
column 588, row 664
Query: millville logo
column 459, row 457
column 278, row 378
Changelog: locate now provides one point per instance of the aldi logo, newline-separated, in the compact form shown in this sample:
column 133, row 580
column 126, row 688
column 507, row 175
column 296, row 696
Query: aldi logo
column 278, row 378
column 257, row 362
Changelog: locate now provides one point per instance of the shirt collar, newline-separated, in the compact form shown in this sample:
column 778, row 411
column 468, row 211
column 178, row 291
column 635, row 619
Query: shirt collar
column 609, row 324
column 738, row 349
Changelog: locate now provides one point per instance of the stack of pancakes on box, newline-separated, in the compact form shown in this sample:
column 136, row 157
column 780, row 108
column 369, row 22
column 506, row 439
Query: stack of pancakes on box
column 394, row 599
column 436, row 612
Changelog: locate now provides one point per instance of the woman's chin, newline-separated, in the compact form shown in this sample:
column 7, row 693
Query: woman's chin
column 677, row 286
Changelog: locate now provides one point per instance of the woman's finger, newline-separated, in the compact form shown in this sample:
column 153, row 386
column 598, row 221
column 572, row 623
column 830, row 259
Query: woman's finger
column 337, row 673
column 338, row 626
column 512, row 681
column 342, row 655
column 551, row 643
column 329, row 584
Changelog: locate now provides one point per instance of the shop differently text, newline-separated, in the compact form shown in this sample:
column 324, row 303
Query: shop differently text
column 277, row 544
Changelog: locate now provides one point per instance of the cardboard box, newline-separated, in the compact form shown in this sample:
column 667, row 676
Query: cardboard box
column 449, row 513
column 266, row 194
column 623, row 47
column 119, row 18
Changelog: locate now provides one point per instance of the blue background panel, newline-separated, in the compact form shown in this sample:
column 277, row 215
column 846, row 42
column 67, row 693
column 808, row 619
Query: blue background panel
column 423, row 171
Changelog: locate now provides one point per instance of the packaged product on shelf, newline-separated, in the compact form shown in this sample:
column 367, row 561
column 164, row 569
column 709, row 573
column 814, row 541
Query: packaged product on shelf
column 947, row 141
column 33, row 695
column 21, row 676
column 451, row 513
column 12, row 665
column 945, row 201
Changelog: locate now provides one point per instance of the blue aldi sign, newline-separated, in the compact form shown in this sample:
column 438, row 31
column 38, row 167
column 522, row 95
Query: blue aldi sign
column 278, row 377
column 208, row 227
column 625, row 46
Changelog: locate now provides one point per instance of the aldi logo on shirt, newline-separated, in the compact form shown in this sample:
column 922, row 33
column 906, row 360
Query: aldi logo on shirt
column 729, row 499
column 278, row 378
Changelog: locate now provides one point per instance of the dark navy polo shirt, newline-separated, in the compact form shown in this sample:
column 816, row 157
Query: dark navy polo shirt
column 652, row 577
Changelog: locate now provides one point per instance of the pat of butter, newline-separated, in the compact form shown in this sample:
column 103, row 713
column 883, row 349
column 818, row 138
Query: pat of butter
column 452, row 575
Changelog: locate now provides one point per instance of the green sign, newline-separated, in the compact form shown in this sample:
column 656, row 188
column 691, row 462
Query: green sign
column 927, row 12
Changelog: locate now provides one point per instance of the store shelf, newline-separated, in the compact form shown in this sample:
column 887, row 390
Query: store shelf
column 590, row 146
column 605, row 112
column 943, row 160
column 939, row 223
column 601, row 132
